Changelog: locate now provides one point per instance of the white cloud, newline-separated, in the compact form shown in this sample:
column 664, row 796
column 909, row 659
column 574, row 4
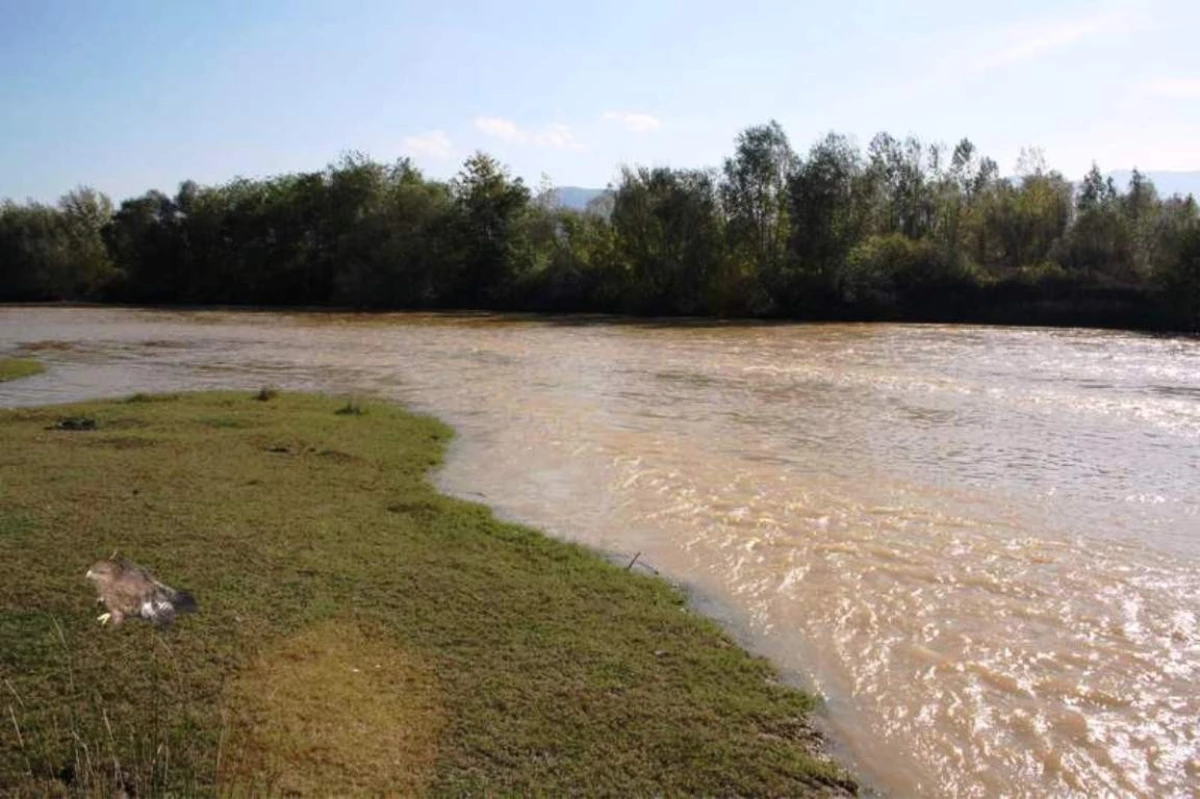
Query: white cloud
column 638, row 123
column 558, row 137
column 504, row 129
column 1033, row 40
column 1178, row 88
column 555, row 136
column 435, row 144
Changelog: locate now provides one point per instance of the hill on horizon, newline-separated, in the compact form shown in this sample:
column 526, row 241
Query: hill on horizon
column 574, row 197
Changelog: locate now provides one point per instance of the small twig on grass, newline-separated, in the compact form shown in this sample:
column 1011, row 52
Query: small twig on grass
column 164, row 752
column 20, row 740
column 62, row 638
column 13, row 691
column 221, row 747
column 84, row 768
column 629, row 568
column 112, row 743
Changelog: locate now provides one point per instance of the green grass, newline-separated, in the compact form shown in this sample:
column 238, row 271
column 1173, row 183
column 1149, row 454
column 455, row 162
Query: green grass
column 357, row 633
column 16, row 368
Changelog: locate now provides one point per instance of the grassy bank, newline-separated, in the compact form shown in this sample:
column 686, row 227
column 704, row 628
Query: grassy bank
column 16, row 368
column 358, row 632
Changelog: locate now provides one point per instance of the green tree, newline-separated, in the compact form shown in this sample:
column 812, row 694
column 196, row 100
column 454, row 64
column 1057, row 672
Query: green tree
column 899, row 176
column 1096, row 193
column 489, row 206
column 582, row 270
column 35, row 253
column 1182, row 279
column 755, row 198
column 830, row 208
column 959, row 216
column 84, row 214
column 1099, row 241
column 670, row 238
column 1141, row 208
column 144, row 240
column 1023, row 224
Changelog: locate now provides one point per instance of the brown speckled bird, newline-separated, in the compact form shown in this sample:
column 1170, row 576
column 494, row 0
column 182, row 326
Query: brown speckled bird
column 126, row 589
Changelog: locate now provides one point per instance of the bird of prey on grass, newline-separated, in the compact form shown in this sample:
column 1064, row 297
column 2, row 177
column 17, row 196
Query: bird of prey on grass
column 126, row 589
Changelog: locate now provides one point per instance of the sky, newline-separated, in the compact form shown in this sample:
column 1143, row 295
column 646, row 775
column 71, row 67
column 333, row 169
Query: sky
column 128, row 95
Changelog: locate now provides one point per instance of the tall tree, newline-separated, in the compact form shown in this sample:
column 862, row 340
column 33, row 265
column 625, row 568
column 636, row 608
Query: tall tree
column 1182, row 278
column 144, row 239
column 971, row 177
column 670, row 238
column 829, row 206
column 1141, row 208
column 1099, row 241
column 899, row 173
column 490, row 205
column 1096, row 193
column 35, row 253
column 754, row 195
column 85, row 214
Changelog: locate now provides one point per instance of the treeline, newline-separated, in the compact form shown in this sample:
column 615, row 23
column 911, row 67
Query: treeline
column 904, row 230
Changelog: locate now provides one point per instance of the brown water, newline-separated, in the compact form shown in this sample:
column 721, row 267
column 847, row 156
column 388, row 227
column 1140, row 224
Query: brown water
column 981, row 545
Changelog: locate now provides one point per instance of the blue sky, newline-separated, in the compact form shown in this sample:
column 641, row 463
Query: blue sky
column 131, row 95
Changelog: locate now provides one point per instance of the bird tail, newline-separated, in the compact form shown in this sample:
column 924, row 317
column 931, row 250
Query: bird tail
column 184, row 602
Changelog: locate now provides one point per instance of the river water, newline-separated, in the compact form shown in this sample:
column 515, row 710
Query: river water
column 981, row 545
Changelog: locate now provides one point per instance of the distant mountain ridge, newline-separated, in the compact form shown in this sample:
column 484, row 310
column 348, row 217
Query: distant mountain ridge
column 575, row 197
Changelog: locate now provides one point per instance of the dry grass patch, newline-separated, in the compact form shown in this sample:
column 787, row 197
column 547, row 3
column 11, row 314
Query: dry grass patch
column 331, row 711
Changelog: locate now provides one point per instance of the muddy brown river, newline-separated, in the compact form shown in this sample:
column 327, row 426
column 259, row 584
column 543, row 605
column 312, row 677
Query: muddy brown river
column 980, row 545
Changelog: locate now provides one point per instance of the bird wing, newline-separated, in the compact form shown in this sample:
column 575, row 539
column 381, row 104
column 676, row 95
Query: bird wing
column 127, row 591
column 156, row 599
